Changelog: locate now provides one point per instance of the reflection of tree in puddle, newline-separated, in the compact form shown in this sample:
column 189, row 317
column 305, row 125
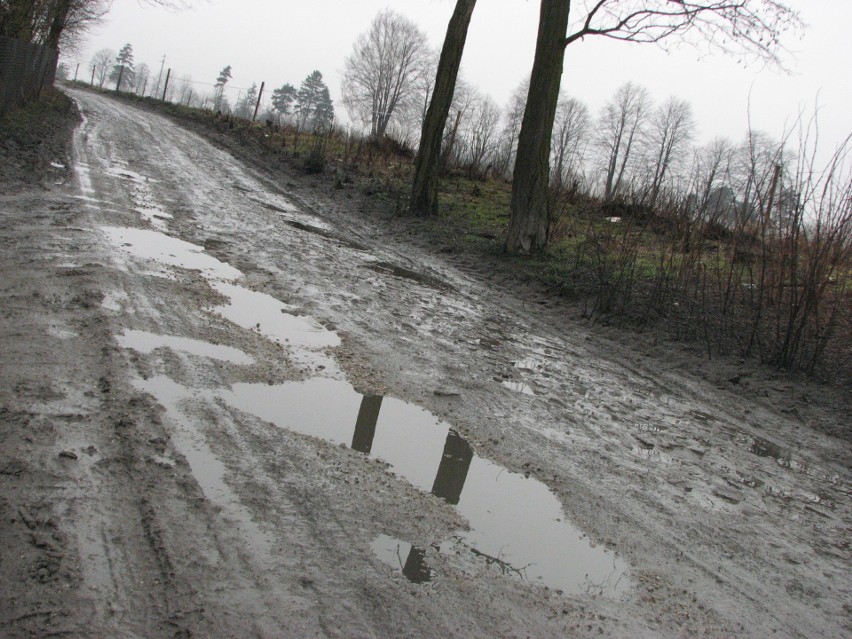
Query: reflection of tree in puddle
column 517, row 524
column 365, row 425
column 408, row 559
column 449, row 480
column 416, row 569
column 452, row 472
column 504, row 566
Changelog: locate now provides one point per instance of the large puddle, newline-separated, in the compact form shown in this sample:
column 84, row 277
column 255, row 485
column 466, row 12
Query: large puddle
column 517, row 526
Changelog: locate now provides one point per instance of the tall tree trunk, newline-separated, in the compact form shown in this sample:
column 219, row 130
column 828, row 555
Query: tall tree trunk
column 424, row 194
column 57, row 24
column 529, row 221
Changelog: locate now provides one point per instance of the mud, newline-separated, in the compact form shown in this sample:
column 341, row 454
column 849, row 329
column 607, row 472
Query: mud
column 235, row 404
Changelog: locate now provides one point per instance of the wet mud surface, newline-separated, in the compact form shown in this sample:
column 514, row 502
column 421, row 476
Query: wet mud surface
column 236, row 405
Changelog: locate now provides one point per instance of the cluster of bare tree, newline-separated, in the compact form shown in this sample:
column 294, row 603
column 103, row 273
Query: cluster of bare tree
column 749, row 239
column 750, row 27
column 751, row 257
column 58, row 23
column 540, row 140
column 49, row 22
column 632, row 151
column 386, row 73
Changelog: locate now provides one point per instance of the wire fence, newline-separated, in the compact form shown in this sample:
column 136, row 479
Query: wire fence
column 170, row 86
column 25, row 69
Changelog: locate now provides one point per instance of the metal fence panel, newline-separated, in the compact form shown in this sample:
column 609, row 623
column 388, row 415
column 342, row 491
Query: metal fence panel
column 25, row 68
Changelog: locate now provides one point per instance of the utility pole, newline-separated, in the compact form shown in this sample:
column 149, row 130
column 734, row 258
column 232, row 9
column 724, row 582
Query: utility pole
column 166, row 88
column 257, row 106
column 160, row 77
column 120, row 74
column 76, row 71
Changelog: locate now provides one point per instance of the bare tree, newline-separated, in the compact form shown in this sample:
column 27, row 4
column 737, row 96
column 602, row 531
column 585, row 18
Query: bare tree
column 752, row 28
column 512, row 116
column 50, row 22
column 712, row 169
column 463, row 99
column 672, row 129
column 101, row 64
column 480, row 135
column 619, row 128
column 380, row 74
column 570, row 133
column 58, row 23
column 529, row 222
column 757, row 162
column 140, row 78
column 184, row 89
column 408, row 119
column 424, row 195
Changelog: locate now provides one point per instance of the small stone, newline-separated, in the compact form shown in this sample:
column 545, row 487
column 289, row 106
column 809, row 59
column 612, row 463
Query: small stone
column 446, row 393
column 68, row 454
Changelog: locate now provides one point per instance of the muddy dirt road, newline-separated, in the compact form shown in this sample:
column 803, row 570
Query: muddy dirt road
column 234, row 406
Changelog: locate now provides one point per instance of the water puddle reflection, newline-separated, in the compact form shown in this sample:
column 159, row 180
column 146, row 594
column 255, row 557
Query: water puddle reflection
column 404, row 558
column 246, row 308
column 272, row 318
column 152, row 245
column 207, row 468
column 518, row 387
column 516, row 524
column 146, row 342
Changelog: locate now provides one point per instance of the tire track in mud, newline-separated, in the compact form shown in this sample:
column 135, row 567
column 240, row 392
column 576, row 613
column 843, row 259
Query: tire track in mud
column 167, row 515
column 167, row 549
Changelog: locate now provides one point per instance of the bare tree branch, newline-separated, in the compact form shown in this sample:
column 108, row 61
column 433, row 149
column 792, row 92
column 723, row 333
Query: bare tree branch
column 751, row 28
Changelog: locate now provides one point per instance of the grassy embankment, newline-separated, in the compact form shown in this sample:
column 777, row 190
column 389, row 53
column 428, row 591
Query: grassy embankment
column 33, row 137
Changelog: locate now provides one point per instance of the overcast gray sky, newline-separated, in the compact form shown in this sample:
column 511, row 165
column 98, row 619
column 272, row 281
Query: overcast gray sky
column 280, row 41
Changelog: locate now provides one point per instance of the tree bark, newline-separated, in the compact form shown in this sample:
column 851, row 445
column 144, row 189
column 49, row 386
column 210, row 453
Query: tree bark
column 57, row 24
column 528, row 224
column 424, row 194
